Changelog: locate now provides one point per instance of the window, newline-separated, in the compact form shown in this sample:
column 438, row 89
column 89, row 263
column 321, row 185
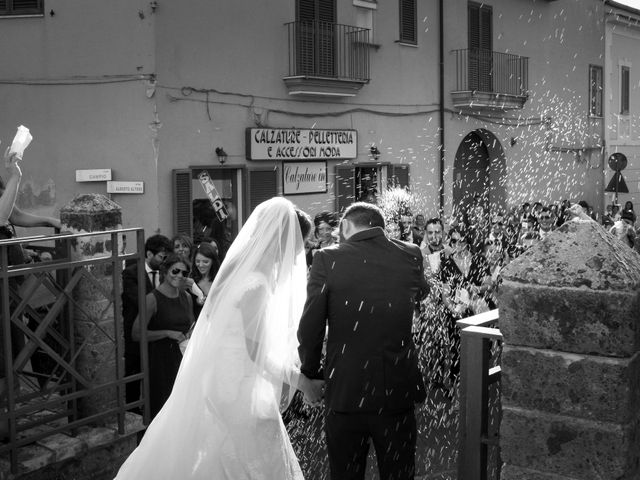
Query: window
column 408, row 23
column 595, row 91
column 315, row 37
column 624, row 90
column 21, row 7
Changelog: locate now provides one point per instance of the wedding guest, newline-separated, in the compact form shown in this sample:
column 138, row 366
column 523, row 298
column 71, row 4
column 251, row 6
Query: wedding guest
column 624, row 229
column 418, row 228
column 156, row 248
column 547, row 223
column 183, row 245
column 169, row 318
column 432, row 320
column 205, row 268
column 325, row 224
column 11, row 216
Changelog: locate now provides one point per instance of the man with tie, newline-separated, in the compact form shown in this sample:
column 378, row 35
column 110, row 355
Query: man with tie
column 156, row 248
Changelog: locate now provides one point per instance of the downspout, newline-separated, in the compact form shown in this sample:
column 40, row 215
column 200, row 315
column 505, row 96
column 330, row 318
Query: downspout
column 441, row 113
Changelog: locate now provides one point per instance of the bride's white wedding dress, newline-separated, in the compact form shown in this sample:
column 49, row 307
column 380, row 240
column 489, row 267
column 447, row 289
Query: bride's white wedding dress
column 222, row 420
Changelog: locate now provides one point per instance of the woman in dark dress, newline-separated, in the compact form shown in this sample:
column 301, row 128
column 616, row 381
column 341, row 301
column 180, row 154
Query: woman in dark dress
column 169, row 318
column 465, row 277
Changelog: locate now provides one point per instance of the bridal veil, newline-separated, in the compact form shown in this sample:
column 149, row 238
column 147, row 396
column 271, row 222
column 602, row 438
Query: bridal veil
column 239, row 371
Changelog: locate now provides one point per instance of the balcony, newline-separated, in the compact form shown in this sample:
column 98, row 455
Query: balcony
column 327, row 59
column 487, row 80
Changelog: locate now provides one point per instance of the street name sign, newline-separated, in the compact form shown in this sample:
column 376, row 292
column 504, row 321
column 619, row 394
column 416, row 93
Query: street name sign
column 96, row 175
column 125, row 187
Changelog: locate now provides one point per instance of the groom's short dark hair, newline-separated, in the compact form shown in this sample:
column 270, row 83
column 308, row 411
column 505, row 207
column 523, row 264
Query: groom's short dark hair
column 364, row 214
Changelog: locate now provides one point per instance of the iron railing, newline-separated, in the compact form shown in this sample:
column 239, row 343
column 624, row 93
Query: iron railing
column 491, row 72
column 43, row 386
column 328, row 50
column 480, row 408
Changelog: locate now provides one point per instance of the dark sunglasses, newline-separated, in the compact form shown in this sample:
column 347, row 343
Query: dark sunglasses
column 545, row 217
column 456, row 240
column 176, row 271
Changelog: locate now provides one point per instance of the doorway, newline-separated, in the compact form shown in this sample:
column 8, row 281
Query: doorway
column 479, row 178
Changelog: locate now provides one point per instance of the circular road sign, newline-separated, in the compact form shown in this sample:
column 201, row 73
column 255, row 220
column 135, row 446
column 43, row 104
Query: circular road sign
column 617, row 161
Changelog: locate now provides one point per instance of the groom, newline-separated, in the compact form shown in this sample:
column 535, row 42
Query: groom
column 365, row 289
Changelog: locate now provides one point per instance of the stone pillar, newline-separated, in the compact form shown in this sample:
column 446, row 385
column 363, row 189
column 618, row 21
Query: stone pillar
column 570, row 317
column 94, row 315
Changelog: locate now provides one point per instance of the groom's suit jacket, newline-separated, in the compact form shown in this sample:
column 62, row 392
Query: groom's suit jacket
column 365, row 290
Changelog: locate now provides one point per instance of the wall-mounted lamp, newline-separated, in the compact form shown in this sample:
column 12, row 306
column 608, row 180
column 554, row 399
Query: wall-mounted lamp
column 221, row 154
column 375, row 153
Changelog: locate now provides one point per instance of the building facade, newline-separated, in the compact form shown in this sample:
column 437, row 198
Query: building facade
column 166, row 106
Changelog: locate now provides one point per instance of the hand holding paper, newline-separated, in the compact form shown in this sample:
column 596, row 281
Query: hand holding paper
column 20, row 142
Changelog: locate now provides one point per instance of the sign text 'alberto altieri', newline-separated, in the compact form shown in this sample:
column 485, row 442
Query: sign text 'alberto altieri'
column 300, row 144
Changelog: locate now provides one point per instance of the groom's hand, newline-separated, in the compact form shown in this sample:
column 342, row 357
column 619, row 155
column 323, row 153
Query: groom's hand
column 313, row 390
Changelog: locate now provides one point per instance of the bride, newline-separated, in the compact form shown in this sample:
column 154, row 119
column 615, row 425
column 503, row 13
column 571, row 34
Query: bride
column 239, row 370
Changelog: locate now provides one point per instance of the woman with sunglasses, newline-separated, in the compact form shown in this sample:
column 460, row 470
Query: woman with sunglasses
column 465, row 277
column 169, row 318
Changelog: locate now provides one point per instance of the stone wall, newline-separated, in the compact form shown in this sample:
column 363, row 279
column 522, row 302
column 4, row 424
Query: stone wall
column 570, row 316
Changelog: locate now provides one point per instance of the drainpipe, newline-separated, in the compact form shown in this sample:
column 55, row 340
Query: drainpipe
column 442, row 153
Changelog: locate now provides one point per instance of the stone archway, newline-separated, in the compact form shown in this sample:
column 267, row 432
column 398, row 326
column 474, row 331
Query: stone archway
column 479, row 174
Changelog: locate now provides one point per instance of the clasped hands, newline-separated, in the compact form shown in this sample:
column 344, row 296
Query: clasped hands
column 313, row 390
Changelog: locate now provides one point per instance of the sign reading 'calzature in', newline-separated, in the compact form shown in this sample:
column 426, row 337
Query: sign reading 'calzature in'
column 304, row 177
column 300, row 144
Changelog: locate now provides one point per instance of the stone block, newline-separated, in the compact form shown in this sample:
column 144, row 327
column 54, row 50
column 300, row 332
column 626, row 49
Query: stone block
column 95, row 437
column 577, row 320
column 584, row 386
column 33, row 457
column 63, row 446
column 578, row 254
column 510, row 472
column 570, row 447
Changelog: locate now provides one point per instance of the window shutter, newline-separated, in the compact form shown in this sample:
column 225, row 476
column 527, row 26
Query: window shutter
column 306, row 11
column 595, row 90
column 21, row 7
column 345, row 186
column 624, row 90
column 408, row 25
column 486, row 30
column 480, row 40
column 182, row 205
column 263, row 185
column 398, row 176
column 326, row 32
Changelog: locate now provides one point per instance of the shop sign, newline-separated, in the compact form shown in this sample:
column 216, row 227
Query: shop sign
column 125, row 187
column 300, row 144
column 304, row 177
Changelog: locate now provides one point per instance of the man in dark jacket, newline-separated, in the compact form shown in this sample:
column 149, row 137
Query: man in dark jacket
column 156, row 248
column 365, row 290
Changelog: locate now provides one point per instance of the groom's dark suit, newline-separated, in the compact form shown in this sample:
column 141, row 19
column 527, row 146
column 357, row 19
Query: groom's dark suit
column 365, row 290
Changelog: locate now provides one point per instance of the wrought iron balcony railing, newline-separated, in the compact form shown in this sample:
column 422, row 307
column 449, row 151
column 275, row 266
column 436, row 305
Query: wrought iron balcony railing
column 327, row 58
column 487, row 79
